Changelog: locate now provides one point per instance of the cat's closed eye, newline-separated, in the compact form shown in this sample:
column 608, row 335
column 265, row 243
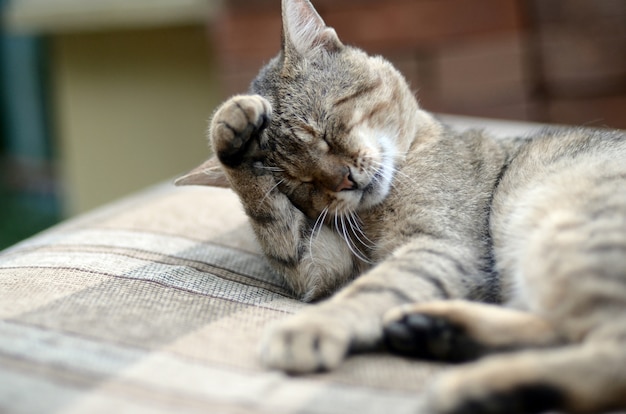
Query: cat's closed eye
column 323, row 146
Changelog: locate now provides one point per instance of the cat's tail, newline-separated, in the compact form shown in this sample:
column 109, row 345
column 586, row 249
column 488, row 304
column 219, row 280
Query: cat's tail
column 582, row 378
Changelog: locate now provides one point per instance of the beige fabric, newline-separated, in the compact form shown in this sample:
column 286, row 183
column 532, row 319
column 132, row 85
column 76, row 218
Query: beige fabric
column 157, row 304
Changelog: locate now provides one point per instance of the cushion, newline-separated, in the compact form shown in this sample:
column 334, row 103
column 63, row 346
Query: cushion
column 158, row 303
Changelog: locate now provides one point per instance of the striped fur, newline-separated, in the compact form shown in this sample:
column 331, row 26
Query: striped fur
column 343, row 176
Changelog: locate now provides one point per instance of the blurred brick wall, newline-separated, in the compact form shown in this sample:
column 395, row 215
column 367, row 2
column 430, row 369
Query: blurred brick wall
column 559, row 61
column 580, row 58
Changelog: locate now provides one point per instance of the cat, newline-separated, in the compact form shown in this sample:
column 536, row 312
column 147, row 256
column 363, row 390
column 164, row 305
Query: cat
column 441, row 245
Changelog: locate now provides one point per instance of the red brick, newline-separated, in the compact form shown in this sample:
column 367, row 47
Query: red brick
column 247, row 36
column 598, row 112
column 374, row 26
column 576, row 64
column 523, row 110
column 409, row 23
column 482, row 71
column 581, row 46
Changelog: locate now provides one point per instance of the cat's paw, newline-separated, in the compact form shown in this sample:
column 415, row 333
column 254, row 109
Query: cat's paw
column 305, row 344
column 235, row 125
column 413, row 332
column 493, row 386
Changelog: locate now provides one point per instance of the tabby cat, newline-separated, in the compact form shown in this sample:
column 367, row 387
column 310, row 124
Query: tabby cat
column 442, row 245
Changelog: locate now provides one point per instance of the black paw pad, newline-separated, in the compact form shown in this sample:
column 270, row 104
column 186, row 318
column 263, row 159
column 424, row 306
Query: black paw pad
column 241, row 147
column 430, row 337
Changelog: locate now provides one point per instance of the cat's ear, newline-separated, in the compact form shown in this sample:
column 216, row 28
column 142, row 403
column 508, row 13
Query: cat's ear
column 304, row 31
column 209, row 173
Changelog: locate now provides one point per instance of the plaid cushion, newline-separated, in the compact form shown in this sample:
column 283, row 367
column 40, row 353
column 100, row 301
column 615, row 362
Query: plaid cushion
column 157, row 304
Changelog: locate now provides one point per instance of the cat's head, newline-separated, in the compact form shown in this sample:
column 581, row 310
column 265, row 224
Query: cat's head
column 341, row 120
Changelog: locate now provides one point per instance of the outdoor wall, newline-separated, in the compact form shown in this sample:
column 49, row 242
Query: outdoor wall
column 558, row 61
column 130, row 87
column 131, row 109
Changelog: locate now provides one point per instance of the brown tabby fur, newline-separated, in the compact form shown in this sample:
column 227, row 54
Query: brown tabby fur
column 343, row 176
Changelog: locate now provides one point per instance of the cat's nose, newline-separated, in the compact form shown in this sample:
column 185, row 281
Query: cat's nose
column 347, row 183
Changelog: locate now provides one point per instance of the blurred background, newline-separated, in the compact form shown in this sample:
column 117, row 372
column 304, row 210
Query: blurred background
column 100, row 98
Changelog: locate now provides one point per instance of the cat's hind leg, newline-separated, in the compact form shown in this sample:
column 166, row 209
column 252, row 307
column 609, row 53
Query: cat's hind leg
column 460, row 330
column 588, row 378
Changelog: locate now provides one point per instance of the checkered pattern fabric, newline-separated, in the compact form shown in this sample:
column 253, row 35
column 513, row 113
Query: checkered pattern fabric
column 157, row 304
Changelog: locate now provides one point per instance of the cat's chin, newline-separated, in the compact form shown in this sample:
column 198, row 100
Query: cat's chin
column 377, row 190
column 371, row 195
column 374, row 194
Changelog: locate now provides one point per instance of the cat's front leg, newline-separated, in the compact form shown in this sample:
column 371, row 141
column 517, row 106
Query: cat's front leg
column 235, row 132
column 320, row 337
column 312, row 263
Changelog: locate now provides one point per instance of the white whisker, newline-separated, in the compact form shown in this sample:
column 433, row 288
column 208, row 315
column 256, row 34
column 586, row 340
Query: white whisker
column 270, row 190
column 389, row 176
column 380, row 174
column 405, row 176
column 355, row 251
column 355, row 223
column 394, row 173
column 268, row 168
column 318, row 225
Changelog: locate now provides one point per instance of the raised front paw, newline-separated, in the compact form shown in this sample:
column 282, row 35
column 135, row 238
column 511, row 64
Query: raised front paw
column 235, row 126
column 302, row 345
